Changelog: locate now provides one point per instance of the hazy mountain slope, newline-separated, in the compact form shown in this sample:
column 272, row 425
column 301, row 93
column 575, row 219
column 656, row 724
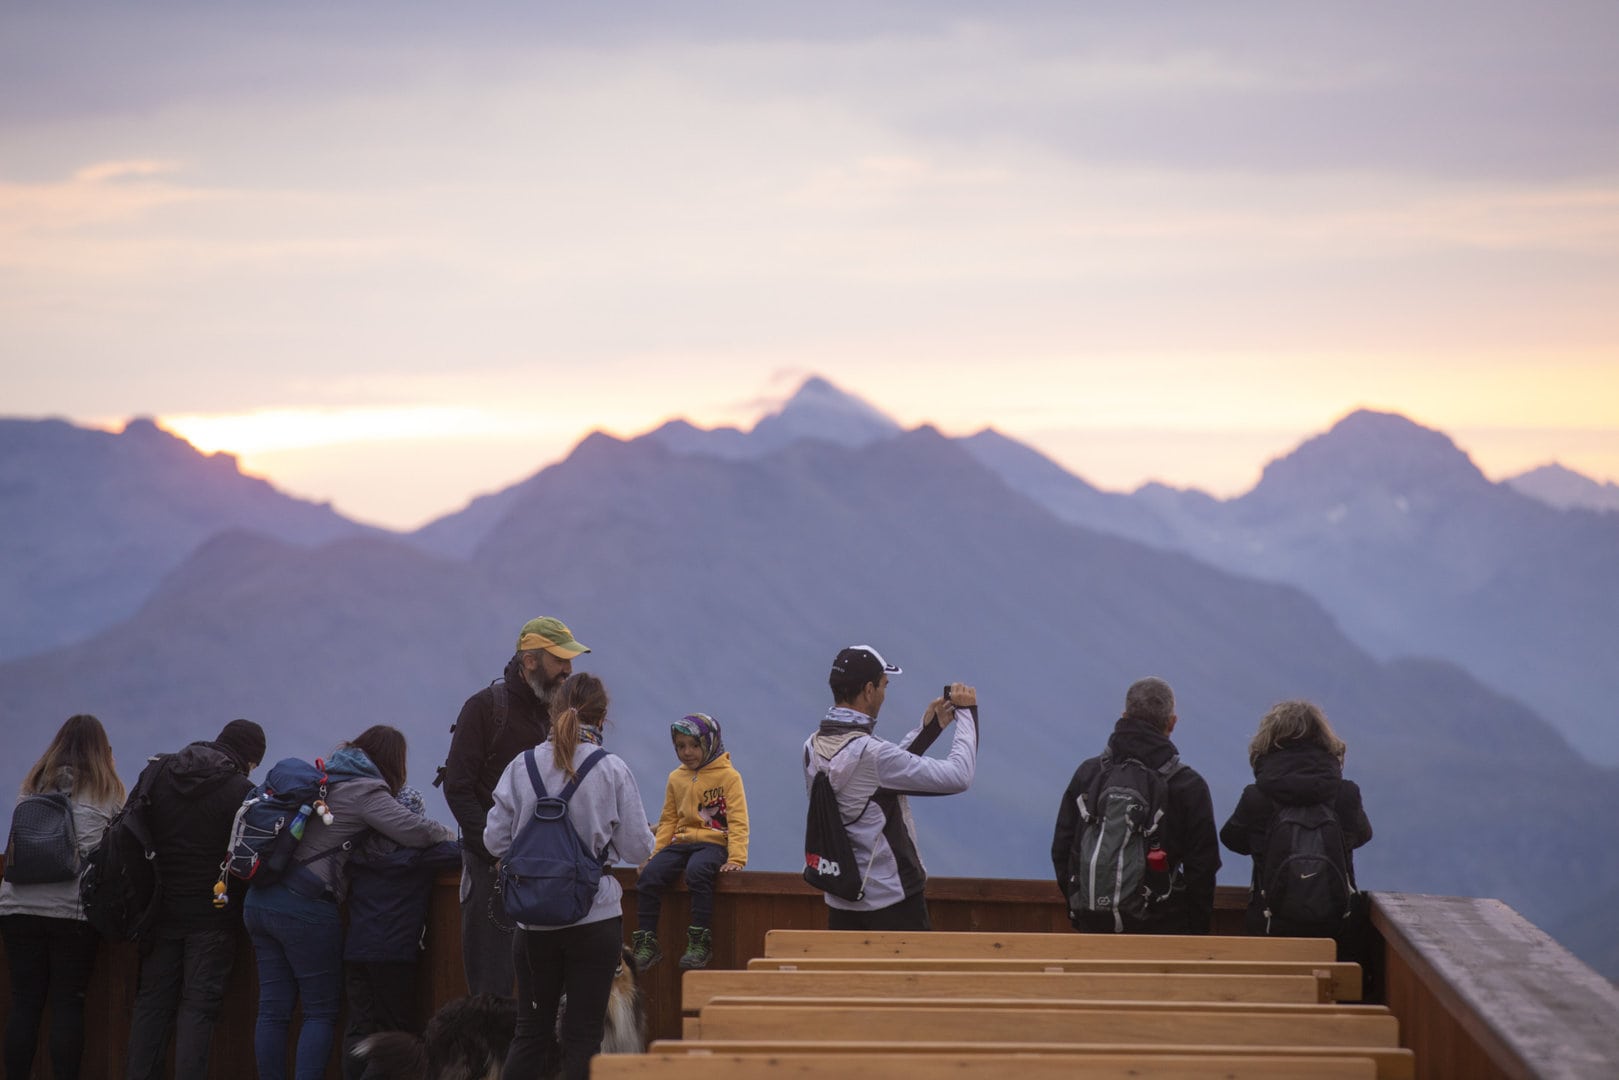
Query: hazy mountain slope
column 1400, row 536
column 727, row 586
column 94, row 520
column 817, row 410
column 1030, row 472
column 1396, row 532
column 1565, row 489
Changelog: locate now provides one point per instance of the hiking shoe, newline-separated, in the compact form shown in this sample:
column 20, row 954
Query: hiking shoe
column 699, row 947
column 644, row 943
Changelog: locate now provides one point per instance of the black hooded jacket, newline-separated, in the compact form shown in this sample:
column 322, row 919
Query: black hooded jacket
column 1299, row 774
column 195, row 795
column 479, row 754
column 1188, row 832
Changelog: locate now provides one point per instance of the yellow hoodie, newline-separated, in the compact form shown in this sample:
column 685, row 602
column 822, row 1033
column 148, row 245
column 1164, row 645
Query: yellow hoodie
column 706, row 806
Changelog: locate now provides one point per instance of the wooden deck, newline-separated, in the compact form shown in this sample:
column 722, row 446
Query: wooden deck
column 1477, row 990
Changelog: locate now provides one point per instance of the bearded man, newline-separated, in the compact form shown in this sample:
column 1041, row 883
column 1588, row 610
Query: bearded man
column 496, row 724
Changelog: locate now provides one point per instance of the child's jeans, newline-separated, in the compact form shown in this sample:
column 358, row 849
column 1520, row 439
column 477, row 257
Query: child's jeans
column 702, row 864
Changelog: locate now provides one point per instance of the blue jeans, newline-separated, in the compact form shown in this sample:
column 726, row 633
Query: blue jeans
column 181, row 977
column 301, row 961
column 702, row 864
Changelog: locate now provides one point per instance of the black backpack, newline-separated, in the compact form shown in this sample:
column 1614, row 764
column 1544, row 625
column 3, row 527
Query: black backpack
column 1305, row 878
column 120, row 888
column 497, row 693
column 549, row 877
column 1120, row 817
column 44, row 843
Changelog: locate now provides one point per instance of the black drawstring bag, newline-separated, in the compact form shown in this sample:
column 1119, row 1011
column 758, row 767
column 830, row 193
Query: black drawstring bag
column 829, row 862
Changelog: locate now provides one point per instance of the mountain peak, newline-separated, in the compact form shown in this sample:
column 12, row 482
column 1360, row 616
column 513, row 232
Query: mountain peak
column 1562, row 487
column 1369, row 450
column 819, row 410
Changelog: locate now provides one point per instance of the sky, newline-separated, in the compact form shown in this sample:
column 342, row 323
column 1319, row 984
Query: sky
column 397, row 254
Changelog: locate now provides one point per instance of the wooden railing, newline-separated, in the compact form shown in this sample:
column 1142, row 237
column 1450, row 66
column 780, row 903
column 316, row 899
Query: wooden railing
column 1479, row 991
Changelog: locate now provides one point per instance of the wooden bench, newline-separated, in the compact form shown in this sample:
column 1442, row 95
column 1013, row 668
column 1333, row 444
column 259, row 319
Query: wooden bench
column 1047, row 1024
column 784, row 943
column 948, row 1066
column 1340, row 982
column 1390, row 1063
column 699, row 987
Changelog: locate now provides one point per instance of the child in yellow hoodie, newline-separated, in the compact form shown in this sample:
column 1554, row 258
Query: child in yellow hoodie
column 703, row 830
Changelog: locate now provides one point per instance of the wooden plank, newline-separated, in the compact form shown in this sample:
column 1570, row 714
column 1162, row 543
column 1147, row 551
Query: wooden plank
column 912, row 1066
column 1391, row 1062
column 1077, row 1025
column 699, row 986
column 1227, row 1009
column 1476, row 980
column 724, row 1066
column 1342, row 981
column 786, row 943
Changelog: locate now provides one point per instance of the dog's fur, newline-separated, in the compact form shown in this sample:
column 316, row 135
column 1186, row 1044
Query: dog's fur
column 468, row 1038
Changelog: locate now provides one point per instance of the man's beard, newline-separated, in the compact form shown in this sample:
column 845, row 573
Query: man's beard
column 542, row 690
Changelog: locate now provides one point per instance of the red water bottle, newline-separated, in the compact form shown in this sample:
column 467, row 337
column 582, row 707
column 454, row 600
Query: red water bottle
column 1157, row 873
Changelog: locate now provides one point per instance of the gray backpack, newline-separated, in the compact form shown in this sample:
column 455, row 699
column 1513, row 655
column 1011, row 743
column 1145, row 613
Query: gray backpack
column 44, row 842
column 1120, row 816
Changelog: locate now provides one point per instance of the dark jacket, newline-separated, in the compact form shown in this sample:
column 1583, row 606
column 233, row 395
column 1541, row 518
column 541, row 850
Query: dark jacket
column 1301, row 774
column 1187, row 834
column 195, row 795
column 479, row 754
column 389, row 890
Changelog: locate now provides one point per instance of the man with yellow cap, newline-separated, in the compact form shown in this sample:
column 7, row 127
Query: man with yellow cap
column 496, row 724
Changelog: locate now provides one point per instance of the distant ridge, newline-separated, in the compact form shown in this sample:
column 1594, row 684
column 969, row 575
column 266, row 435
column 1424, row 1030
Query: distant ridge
column 1397, row 532
column 95, row 519
column 817, row 410
column 1566, row 489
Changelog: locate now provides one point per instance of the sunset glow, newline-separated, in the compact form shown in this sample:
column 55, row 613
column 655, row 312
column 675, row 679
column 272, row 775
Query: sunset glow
column 1163, row 247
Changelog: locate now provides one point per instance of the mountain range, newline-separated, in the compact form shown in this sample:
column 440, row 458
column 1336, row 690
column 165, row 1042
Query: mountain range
column 95, row 519
column 717, row 571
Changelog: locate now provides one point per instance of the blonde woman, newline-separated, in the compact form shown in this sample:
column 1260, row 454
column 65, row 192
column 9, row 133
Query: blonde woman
column 1303, row 856
column 49, row 945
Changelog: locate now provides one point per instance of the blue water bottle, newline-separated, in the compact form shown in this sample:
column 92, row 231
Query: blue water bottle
column 297, row 825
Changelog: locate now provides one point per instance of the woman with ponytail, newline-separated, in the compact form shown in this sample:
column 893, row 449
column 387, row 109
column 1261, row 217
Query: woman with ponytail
column 578, row 959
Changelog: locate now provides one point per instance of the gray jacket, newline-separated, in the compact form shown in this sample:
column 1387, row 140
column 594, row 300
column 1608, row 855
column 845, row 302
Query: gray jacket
column 358, row 806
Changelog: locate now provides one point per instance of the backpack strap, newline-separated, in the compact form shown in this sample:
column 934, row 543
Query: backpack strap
column 567, row 792
column 572, row 786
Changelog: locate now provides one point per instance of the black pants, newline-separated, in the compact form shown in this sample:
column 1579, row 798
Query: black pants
column 182, row 984
column 702, row 864
column 382, row 997
column 579, row 961
column 50, row 961
column 910, row 913
column 486, row 944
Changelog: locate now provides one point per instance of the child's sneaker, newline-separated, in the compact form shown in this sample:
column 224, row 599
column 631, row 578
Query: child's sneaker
column 644, row 943
column 699, row 947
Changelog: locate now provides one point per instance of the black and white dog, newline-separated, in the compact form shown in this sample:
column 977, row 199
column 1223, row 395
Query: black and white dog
column 468, row 1038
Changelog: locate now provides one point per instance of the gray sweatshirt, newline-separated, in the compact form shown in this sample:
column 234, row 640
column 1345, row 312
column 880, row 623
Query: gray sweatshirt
column 606, row 811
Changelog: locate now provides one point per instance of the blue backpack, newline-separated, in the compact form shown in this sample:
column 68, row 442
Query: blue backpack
column 271, row 821
column 549, row 878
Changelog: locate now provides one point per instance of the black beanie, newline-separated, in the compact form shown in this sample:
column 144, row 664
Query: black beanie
column 245, row 739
